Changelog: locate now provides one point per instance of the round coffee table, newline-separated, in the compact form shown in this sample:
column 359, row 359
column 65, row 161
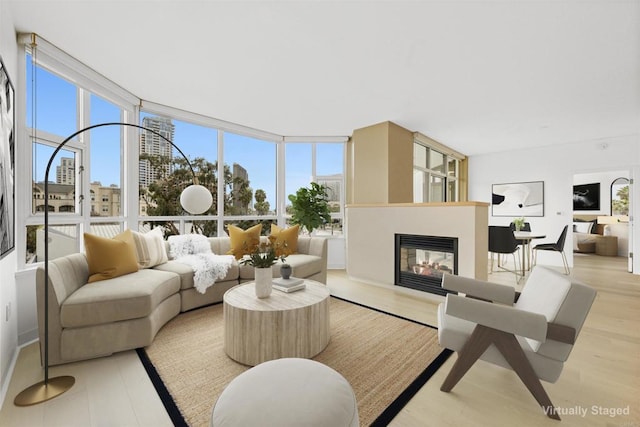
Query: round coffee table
column 292, row 324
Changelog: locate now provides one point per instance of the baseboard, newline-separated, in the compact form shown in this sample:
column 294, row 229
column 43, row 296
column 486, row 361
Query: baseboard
column 9, row 376
column 27, row 337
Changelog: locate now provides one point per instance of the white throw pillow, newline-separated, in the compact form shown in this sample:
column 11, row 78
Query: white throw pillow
column 150, row 248
column 582, row 227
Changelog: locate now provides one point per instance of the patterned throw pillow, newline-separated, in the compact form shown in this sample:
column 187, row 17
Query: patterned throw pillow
column 109, row 258
column 150, row 248
column 285, row 240
column 244, row 242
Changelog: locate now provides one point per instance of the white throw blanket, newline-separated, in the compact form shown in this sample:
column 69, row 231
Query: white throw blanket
column 194, row 250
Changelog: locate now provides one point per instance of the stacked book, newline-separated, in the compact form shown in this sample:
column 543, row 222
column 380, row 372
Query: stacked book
column 291, row 284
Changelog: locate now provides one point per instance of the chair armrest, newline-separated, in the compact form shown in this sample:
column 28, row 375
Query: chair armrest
column 479, row 288
column 561, row 333
column 503, row 318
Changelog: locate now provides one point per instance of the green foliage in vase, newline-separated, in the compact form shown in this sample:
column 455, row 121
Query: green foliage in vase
column 264, row 256
column 309, row 207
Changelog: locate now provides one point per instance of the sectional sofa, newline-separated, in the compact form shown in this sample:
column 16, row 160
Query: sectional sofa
column 88, row 320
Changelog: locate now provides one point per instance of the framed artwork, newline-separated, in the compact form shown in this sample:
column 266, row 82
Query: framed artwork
column 518, row 199
column 7, row 163
column 586, row 197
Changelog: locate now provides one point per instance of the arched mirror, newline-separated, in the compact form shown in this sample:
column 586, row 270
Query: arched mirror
column 620, row 197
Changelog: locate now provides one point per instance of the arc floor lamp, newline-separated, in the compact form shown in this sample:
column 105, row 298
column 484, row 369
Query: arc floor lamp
column 195, row 199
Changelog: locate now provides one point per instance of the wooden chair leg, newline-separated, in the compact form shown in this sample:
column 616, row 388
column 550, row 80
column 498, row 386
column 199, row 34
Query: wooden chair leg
column 477, row 343
column 481, row 338
column 508, row 345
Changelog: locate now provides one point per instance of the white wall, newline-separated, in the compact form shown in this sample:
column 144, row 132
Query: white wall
column 8, row 265
column 556, row 166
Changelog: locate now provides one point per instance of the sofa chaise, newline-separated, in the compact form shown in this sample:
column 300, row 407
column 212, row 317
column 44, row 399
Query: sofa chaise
column 88, row 320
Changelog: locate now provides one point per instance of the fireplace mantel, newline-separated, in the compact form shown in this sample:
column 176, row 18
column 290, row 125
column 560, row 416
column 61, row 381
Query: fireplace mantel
column 370, row 231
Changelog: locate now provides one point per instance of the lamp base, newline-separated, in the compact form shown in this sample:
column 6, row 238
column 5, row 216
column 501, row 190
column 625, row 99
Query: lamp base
column 41, row 392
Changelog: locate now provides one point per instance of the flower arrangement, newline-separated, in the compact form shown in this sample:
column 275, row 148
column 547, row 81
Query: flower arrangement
column 519, row 223
column 263, row 256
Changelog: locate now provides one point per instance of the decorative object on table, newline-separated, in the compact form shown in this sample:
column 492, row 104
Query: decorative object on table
column 586, row 197
column 261, row 259
column 288, row 285
column 285, row 271
column 195, row 199
column 309, row 207
column 7, row 163
column 263, row 284
column 519, row 223
column 518, row 199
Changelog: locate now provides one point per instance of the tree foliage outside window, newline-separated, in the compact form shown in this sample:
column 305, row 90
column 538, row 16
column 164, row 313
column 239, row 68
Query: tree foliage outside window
column 162, row 197
column 620, row 197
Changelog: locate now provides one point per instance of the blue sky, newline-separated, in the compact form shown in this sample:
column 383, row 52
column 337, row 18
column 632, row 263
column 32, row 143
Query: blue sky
column 56, row 113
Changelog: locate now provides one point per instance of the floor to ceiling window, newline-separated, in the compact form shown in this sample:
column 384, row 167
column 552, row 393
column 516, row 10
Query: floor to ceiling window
column 111, row 178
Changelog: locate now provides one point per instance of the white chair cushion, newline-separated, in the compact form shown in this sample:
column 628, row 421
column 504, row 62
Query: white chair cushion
column 544, row 293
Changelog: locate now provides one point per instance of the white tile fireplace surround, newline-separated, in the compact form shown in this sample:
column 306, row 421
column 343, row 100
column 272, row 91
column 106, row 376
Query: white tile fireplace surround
column 371, row 230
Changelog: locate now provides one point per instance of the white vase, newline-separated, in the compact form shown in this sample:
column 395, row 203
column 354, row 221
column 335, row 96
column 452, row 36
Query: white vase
column 263, row 282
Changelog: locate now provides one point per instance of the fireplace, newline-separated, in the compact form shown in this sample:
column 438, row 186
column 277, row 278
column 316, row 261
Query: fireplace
column 420, row 261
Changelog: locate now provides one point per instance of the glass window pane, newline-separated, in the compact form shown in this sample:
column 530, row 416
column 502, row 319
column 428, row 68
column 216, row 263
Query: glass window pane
column 298, row 168
column 620, row 197
column 62, row 179
column 452, row 169
column 419, row 155
column 452, row 191
column 329, row 172
column 418, row 186
column 207, row 228
column 105, row 229
column 169, row 228
column 436, row 189
column 334, row 228
column 56, row 102
column 250, row 170
column 164, row 172
column 63, row 240
column 106, row 159
column 329, row 159
column 436, row 161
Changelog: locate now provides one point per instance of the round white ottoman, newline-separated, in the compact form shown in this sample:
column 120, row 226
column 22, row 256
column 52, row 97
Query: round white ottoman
column 287, row 392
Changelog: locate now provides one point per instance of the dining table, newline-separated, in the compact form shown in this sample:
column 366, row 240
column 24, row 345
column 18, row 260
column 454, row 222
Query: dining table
column 526, row 237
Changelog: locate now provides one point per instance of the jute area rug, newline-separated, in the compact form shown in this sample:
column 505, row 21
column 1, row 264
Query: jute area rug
column 385, row 358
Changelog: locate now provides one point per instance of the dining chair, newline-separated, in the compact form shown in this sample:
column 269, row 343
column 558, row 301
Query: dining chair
column 523, row 243
column 502, row 241
column 556, row 247
column 533, row 336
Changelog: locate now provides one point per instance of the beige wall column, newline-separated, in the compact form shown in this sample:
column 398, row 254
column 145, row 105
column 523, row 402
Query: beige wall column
column 380, row 165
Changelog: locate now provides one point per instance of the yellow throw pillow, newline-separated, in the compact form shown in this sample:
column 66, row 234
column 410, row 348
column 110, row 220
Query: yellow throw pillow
column 244, row 242
column 285, row 240
column 108, row 258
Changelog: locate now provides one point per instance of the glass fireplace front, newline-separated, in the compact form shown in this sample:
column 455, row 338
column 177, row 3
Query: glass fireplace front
column 422, row 260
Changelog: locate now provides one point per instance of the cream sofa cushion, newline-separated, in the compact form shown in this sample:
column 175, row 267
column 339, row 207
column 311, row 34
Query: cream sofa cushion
column 126, row 297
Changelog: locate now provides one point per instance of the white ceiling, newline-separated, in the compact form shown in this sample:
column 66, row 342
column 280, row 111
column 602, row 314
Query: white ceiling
column 479, row 76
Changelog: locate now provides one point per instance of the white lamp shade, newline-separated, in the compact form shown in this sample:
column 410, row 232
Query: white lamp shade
column 196, row 199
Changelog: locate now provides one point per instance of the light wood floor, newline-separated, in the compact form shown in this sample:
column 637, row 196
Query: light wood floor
column 601, row 375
